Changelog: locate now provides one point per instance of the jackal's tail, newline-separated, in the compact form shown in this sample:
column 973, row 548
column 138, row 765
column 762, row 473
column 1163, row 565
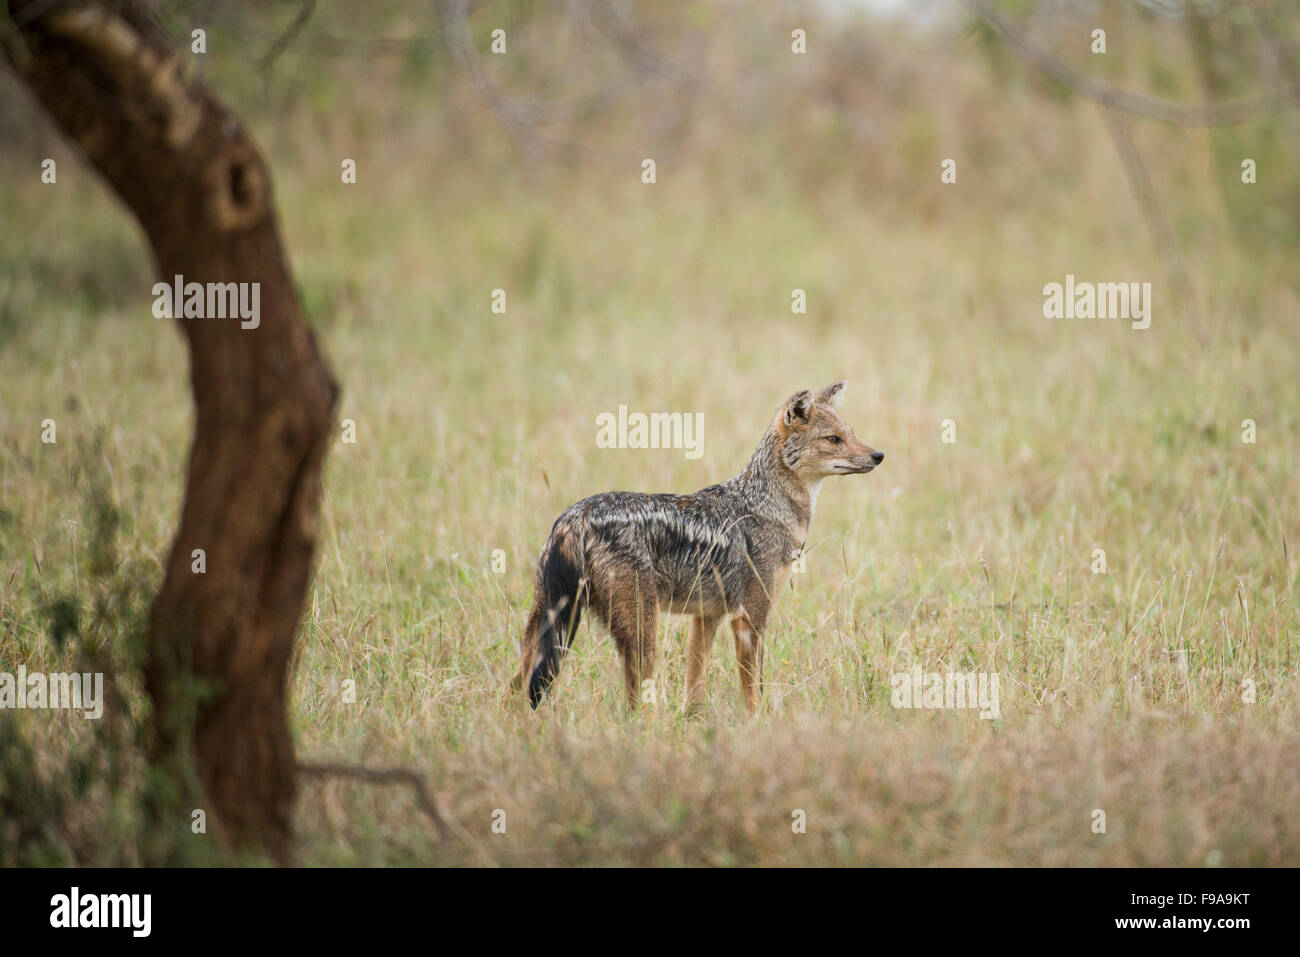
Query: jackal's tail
column 557, row 609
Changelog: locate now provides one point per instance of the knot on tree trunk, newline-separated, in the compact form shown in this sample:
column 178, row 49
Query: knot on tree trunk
column 236, row 187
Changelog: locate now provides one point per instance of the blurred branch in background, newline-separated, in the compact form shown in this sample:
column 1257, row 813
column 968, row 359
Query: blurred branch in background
column 1116, row 104
column 1117, row 123
column 519, row 117
column 1225, row 113
column 1285, row 56
column 614, row 23
column 300, row 19
column 320, row 43
column 523, row 118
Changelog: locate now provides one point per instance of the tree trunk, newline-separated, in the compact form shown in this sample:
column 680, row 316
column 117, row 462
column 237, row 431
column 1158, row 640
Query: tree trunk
column 264, row 400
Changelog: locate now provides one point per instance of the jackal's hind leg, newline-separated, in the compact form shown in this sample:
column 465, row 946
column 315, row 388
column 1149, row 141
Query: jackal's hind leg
column 634, row 623
column 699, row 640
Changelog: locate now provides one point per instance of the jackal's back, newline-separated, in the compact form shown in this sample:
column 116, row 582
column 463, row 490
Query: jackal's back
column 696, row 549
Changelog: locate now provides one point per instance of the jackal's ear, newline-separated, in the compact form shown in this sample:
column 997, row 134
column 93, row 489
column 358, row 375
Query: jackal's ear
column 797, row 409
column 832, row 395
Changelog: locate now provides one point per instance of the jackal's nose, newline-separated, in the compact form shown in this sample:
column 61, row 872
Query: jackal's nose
column 877, row 457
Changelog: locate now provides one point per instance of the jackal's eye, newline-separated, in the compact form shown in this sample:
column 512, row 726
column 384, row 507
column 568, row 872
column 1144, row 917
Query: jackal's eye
column 832, row 439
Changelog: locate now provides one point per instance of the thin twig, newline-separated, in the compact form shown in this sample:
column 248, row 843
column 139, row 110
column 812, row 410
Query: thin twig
column 1140, row 182
column 614, row 24
column 282, row 41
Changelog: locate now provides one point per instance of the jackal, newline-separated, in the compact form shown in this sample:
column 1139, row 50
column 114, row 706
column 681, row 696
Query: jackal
column 723, row 552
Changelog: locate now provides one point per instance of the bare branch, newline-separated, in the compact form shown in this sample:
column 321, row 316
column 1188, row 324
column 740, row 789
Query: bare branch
column 1226, row 113
column 1140, row 183
column 282, row 41
column 614, row 24
column 426, row 801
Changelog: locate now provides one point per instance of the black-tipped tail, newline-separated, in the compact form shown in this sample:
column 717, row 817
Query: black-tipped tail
column 562, row 585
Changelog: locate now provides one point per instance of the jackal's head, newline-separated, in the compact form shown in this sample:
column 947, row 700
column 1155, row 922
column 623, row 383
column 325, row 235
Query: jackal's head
column 816, row 442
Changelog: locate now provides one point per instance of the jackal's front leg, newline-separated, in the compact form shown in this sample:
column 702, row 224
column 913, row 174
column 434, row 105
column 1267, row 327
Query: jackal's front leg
column 748, row 630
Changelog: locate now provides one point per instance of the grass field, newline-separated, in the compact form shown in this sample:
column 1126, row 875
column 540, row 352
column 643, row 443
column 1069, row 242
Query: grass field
column 1161, row 692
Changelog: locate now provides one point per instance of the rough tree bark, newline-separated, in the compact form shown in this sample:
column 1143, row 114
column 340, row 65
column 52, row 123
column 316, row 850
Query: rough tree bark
column 264, row 398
